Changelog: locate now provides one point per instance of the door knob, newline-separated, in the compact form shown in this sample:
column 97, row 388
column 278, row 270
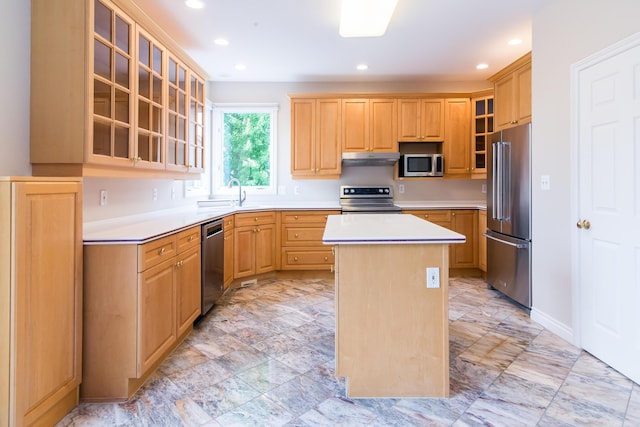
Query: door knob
column 583, row 224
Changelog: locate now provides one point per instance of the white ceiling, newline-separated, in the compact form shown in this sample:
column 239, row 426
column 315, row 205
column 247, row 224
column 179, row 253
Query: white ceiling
column 298, row 40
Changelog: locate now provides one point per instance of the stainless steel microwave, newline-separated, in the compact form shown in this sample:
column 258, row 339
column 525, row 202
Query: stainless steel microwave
column 421, row 165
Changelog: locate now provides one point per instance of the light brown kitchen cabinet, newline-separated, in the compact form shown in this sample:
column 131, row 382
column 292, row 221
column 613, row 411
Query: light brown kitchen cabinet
column 316, row 138
column 177, row 107
column 481, row 130
column 463, row 221
column 369, row 125
column 301, row 246
column 98, row 90
column 228, row 227
column 482, row 240
column 456, row 147
column 512, row 92
column 140, row 301
column 40, row 299
column 421, row 119
column 254, row 244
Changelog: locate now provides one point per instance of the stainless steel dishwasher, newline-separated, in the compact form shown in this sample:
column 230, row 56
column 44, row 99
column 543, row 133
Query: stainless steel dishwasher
column 212, row 264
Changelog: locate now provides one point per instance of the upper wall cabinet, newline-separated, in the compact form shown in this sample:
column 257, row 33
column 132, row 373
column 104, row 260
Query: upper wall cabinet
column 512, row 91
column 110, row 93
column 481, row 130
column 456, row 141
column 369, row 125
column 316, row 138
column 420, row 119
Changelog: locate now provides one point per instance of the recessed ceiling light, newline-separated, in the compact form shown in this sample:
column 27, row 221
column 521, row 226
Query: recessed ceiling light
column 194, row 4
column 241, row 67
column 221, row 42
column 365, row 18
column 482, row 66
column 514, row 42
column 362, row 67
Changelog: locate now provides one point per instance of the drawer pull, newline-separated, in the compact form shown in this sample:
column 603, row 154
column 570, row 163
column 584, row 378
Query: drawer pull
column 326, row 258
column 295, row 258
column 295, row 217
column 295, row 235
column 426, row 215
column 190, row 238
column 255, row 219
column 161, row 251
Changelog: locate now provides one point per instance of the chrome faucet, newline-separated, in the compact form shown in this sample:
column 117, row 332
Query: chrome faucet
column 242, row 195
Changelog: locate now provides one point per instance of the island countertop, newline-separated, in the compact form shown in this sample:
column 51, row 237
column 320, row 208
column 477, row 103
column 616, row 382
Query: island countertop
column 386, row 229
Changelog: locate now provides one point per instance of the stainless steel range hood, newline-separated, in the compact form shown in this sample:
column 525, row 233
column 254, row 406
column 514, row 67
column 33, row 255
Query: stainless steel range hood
column 369, row 159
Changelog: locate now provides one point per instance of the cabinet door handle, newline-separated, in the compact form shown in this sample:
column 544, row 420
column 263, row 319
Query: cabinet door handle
column 190, row 238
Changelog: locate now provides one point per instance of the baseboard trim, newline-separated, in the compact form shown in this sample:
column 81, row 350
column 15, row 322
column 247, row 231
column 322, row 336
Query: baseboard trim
column 563, row 331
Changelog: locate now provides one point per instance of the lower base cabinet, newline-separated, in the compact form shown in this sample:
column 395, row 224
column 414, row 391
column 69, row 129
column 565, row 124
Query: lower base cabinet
column 463, row 221
column 40, row 299
column 302, row 247
column 254, row 244
column 140, row 303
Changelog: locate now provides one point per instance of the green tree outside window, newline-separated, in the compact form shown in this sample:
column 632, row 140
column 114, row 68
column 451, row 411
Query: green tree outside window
column 246, row 148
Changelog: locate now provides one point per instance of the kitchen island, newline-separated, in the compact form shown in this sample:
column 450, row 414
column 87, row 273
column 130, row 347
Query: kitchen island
column 391, row 278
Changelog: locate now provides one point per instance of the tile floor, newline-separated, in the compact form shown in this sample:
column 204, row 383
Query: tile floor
column 265, row 356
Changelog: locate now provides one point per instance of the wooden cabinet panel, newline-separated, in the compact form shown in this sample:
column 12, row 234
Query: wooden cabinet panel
column 255, row 218
column 307, row 259
column 156, row 251
column 383, row 124
column 40, row 299
column 244, row 252
column 355, row 125
column 157, row 314
column 512, row 92
column 188, row 288
column 482, row 240
column 456, row 146
column 316, row 138
column 228, row 226
column 464, row 255
column 265, row 247
column 421, row 119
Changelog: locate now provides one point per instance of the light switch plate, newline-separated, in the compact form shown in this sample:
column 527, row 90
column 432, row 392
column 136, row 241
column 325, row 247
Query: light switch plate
column 545, row 182
column 433, row 277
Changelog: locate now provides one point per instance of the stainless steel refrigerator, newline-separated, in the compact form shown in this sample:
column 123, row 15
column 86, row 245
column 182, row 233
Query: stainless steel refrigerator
column 509, row 213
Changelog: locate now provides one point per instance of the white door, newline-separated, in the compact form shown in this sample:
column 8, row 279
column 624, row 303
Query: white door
column 608, row 152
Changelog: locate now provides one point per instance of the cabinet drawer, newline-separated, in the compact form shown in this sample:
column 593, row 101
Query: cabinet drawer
column 301, row 236
column 228, row 222
column 156, row 251
column 307, row 259
column 188, row 239
column 255, row 218
column 433, row 215
column 293, row 217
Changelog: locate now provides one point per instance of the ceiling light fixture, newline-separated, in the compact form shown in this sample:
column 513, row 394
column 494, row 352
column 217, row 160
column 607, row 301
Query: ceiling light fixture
column 365, row 18
column 194, row 4
column 362, row 67
column 482, row 66
column 221, row 42
column 514, row 42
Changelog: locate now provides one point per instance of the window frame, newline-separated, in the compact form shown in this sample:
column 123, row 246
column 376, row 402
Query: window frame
column 216, row 154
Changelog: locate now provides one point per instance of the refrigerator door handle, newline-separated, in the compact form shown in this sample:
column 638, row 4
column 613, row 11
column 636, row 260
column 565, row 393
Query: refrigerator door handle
column 515, row 245
column 496, row 181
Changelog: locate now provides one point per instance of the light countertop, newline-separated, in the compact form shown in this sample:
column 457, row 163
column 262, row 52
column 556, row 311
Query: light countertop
column 386, row 229
column 135, row 229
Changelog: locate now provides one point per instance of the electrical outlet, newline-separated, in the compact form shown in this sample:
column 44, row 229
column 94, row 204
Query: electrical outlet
column 282, row 190
column 103, row 197
column 155, row 194
column 296, row 190
column 545, row 182
column 173, row 193
column 433, row 277
column 401, row 188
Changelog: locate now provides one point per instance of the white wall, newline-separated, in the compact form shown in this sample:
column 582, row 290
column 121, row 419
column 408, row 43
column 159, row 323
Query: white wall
column 563, row 33
column 14, row 88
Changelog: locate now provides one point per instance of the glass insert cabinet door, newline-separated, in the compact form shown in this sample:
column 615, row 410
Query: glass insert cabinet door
column 177, row 115
column 482, row 129
column 112, row 85
column 149, row 150
column 196, row 124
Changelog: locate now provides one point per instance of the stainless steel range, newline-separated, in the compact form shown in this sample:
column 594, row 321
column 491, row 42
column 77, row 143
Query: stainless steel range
column 367, row 199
